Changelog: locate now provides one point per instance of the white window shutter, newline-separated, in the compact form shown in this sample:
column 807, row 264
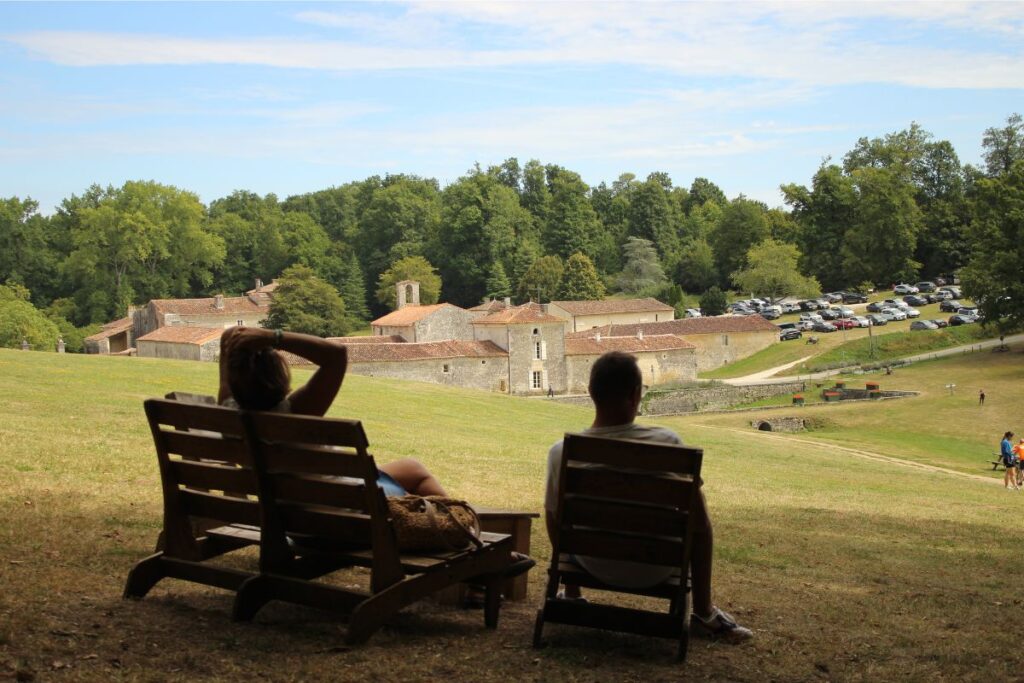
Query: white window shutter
column 544, row 350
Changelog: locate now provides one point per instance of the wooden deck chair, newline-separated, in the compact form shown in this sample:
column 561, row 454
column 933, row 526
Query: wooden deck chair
column 202, row 452
column 623, row 500
column 320, row 498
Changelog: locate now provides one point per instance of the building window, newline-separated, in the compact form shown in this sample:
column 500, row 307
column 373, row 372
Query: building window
column 537, row 379
column 483, row 362
column 725, row 340
column 447, row 368
column 536, row 331
column 538, row 351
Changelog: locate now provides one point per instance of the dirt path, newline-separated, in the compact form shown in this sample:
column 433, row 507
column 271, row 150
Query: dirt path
column 869, row 455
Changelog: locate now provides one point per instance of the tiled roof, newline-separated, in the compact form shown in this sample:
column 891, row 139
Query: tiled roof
column 407, row 315
column 609, row 306
column 369, row 353
column 718, row 324
column 590, row 346
column 489, row 306
column 527, row 313
column 369, row 339
column 110, row 329
column 265, row 289
column 233, row 305
column 262, row 295
column 183, row 334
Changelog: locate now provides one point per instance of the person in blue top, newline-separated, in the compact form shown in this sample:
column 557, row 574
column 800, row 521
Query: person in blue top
column 1009, row 461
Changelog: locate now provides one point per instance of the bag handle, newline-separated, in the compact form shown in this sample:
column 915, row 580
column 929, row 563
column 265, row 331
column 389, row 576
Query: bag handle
column 472, row 534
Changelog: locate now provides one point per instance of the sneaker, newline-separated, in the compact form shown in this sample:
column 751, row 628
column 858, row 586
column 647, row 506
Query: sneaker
column 579, row 599
column 719, row 626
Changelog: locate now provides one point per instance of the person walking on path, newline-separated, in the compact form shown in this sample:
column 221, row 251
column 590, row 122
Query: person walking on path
column 1009, row 462
column 981, row 397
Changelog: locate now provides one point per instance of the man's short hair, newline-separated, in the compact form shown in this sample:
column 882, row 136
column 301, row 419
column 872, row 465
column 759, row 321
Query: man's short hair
column 614, row 377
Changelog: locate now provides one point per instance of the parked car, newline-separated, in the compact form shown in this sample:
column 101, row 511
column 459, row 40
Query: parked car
column 844, row 323
column 769, row 313
column 942, row 294
column 790, row 307
column 893, row 313
column 925, row 286
column 792, row 333
column 812, row 317
column 823, row 302
column 958, row 319
column 692, row 313
column 916, row 300
column 805, row 325
column 860, row 321
column 913, row 313
column 824, row 327
column 809, row 305
column 896, row 303
column 923, row 325
column 828, row 314
column 954, row 290
column 842, row 311
column 877, row 319
column 939, row 323
column 875, row 307
column 833, row 297
column 950, row 306
column 854, row 298
column 904, row 289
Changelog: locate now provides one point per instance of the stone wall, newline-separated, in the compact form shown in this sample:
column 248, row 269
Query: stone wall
column 489, row 374
column 586, row 322
column 446, row 323
column 717, row 349
column 658, row 367
column 522, row 360
column 713, row 397
column 779, row 424
column 208, row 351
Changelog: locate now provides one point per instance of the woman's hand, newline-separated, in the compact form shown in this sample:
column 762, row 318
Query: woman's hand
column 248, row 338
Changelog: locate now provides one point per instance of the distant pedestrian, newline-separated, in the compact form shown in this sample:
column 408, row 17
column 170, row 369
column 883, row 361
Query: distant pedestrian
column 1009, row 461
column 981, row 397
column 551, row 392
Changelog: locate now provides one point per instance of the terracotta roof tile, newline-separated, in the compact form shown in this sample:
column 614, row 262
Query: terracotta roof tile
column 110, row 329
column 684, row 326
column 182, row 334
column 407, row 315
column 369, row 339
column 609, row 306
column 232, row 305
column 489, row 306
column 527, row 313
column 370, row 353
column 590, row 346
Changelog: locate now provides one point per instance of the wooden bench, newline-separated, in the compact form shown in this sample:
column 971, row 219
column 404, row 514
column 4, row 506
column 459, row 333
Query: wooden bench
column 320, row 502
column 628, row 501
column 997, row 463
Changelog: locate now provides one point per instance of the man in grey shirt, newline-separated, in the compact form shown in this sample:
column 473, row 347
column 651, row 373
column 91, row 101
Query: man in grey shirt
column 616, row 386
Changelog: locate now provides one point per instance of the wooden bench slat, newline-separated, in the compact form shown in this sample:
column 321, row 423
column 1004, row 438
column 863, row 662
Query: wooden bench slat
column 327, row 523
column 645, row 549
column 606, row 483
column 321, row 491
column 208, row 475
column 224, row 508
column 193, row 416
column 637, row 455
column 208, row 446
column 294, row 458
column 313, row 430
column 615, row 516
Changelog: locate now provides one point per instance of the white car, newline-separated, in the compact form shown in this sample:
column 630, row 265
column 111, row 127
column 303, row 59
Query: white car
column 860, row 321
column 893, row 313
column 693, row 313
column 905, row 289
column 812, row 317
column 913, row 313
column 805, row 325
column 790, row 308
column 842, row 311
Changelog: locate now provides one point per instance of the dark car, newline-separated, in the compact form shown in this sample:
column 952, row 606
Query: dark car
column 791, row 333
column 878, row 319
column 925, row 286
column 854, row 298
column 959, row 319
column 916, row 300
column 833, row 297
column 950, row 306
column 828, row 314
column 939, row 322
column 824, row 327
column 923, row 325
column 876, row 307
column 809, row 305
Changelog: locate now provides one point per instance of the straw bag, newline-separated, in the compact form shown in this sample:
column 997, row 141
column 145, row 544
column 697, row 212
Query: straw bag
column 434, row 523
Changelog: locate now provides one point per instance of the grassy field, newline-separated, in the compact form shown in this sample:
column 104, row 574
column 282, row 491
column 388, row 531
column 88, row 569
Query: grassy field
column 846, row 567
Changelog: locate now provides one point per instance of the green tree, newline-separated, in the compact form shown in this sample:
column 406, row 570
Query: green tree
column 410, row 268
column 652, row 216
column 542, row 281
column 581, row 281
column 642, row 273
column 26, row 253
column 743, row 224
column 498, row 285
column 21, row 321
column 304, row 303
column 772, row 271
column 880, row 243
column 352, row 287
column 572, row 225
column 824, row 214
column 696, row 271
column 713, row 302
column 701, row 192
column 1004, row 146
column 992, row 278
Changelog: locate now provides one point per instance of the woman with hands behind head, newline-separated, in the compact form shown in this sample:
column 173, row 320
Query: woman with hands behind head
column 255, row 376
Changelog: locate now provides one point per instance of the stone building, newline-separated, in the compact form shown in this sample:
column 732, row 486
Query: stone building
column 416, row 323
column 181, row 343
column 535, row 344
column 718, row 339
column 115, row 338
column 584, row 315
column 663, row 358
column 215, row 311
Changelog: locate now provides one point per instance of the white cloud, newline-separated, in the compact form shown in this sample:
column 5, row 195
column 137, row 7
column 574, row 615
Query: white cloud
column 806, row 43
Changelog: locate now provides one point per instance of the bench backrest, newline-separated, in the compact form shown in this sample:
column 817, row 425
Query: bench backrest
column 627, row 500
column 205, row 470
column 317, row 479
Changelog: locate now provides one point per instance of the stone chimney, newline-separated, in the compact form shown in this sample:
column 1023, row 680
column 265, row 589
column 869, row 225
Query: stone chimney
column 218, row 302
column 259, row 283
column 407, row 294
column 508, row 302
column 640, row 334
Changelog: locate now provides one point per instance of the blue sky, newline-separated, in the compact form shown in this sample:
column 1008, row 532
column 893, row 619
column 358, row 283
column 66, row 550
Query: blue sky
column 295, row 97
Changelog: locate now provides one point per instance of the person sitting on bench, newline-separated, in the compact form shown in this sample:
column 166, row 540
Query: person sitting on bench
column 255, row 376
column 615, row 388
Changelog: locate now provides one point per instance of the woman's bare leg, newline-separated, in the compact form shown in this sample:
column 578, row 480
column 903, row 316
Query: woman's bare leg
column 414, row 477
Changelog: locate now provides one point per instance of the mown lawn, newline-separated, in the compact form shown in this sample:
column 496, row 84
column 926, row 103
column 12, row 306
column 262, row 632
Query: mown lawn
column 847, row 568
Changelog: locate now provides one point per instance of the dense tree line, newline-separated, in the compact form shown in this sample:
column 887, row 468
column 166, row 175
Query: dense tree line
column 896, row 208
